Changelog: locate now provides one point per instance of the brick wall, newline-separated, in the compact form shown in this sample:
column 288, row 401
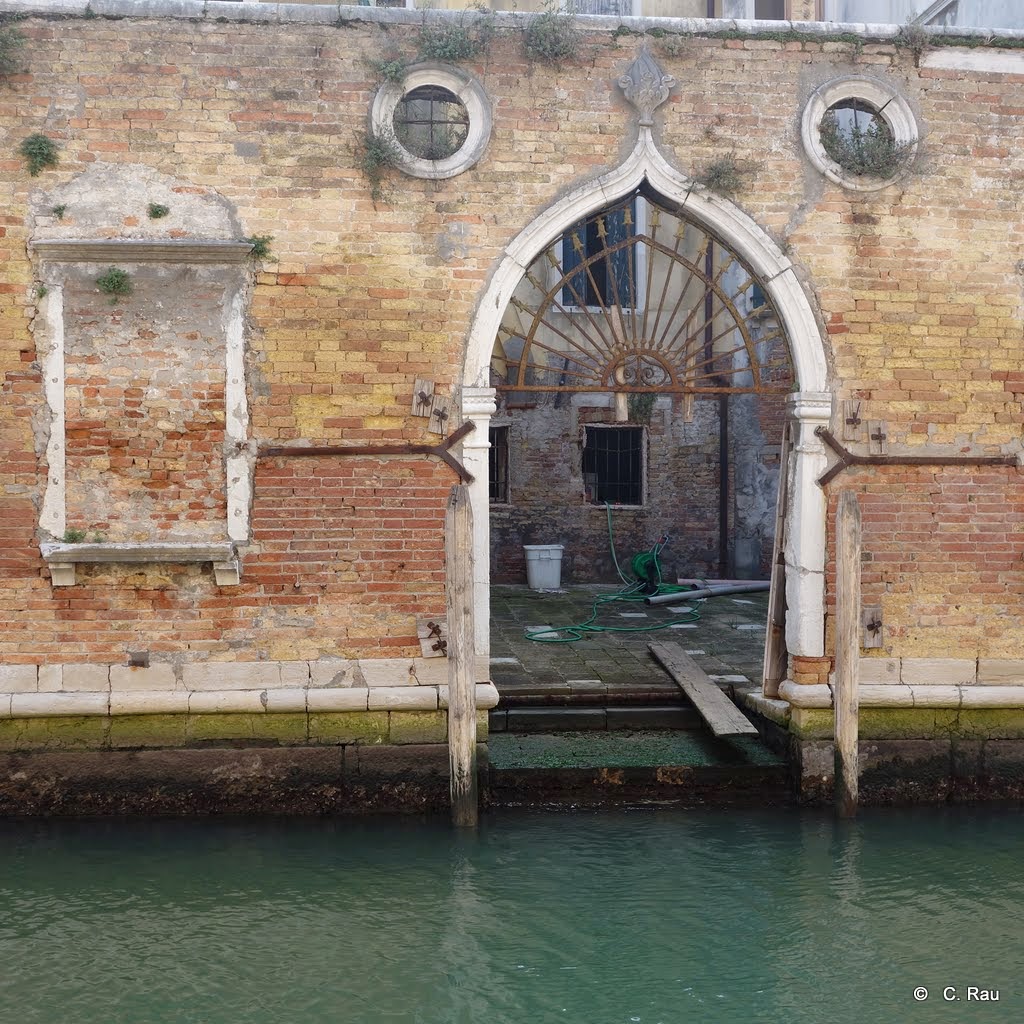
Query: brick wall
column 943, row 554
column 144, row 407
column 917, row 283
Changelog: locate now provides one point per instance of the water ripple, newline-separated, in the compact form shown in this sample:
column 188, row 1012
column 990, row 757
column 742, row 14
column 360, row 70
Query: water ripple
column 643, row 917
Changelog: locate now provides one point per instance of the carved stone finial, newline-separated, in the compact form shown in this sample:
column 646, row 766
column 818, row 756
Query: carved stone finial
column 646, row 86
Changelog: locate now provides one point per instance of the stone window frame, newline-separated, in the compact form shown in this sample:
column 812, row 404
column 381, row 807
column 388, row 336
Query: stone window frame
column 61, row 557
column 465, row 88
column 891, row 107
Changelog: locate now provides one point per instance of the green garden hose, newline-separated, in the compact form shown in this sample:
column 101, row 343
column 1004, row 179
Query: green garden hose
column 648, row 580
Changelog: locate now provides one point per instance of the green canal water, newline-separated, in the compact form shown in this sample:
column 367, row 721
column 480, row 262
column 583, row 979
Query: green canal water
column 621, row 918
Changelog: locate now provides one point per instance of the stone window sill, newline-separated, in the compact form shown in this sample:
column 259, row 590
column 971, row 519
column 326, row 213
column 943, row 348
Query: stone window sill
column 62, row 558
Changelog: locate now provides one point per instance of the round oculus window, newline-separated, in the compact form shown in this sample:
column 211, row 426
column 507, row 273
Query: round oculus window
column 859, row 133
column 431, row 122
column 438, row 117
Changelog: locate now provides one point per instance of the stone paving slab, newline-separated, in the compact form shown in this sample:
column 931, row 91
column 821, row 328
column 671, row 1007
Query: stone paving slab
column 729, row 633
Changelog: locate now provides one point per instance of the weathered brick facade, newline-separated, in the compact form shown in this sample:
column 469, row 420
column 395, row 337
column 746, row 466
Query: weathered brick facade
column 917, row 288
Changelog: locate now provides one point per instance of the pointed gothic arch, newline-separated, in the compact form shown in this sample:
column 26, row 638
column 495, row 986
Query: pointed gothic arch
column 809, row 406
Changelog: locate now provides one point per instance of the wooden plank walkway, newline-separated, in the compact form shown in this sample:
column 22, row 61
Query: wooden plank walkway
column 721, row 715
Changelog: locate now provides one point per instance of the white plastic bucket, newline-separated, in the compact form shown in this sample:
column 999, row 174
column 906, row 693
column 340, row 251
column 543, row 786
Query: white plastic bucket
column 543, row 566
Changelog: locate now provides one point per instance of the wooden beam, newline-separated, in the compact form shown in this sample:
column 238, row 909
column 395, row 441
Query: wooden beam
column 458, row 546
column 721, row 715
column 846, row 696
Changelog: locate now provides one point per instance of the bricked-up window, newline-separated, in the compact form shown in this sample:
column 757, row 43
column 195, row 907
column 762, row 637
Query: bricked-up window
column 145, row 404
column 498, row 467
column 613, row 465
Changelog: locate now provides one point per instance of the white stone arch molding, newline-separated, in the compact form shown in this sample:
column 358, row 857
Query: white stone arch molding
column 882, row 97
column 466, row 89
column 810, row 407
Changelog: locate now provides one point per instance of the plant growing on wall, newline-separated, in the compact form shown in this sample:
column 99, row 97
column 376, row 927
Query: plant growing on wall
column 260, row 246
column 455, row 41
column 640, row 407
column 553, row 36
column 377, row 153
column 389, row 69
column 59, row 211
column 913, row 37
column 39, row 152
column 158, row 210
column 725, row 176
column 871, row 151
column 116, row 283
column 11, row 43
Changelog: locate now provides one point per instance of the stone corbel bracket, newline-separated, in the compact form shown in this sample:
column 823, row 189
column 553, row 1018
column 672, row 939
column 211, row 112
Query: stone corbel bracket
column 62, row 558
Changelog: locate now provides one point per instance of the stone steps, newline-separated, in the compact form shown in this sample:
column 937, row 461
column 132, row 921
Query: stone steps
column 632, row 768
column 531, row 695
column 554, row 719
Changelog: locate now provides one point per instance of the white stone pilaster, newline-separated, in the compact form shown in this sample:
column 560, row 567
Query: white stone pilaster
column 53, row 517
column 478, row 405
column 805, row 527
column 238, row 460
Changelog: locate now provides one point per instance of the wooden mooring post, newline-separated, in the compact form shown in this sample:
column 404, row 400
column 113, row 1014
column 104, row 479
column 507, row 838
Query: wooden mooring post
column 458, row 546
column 846, row 697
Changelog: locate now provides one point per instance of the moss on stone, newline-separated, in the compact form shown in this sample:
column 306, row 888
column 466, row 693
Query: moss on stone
column 286, row 729
column 67, row 732
column 148, row 731
column 811, row 723
column 991, row 724
column 363, row 727
column 915, row 723
column 418, row 726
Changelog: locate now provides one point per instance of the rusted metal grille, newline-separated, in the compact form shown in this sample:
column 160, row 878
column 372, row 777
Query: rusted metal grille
column 497, row 478
column 639, row 299
column 613, row 465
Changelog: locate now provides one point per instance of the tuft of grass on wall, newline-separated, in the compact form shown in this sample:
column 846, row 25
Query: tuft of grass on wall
column 116, row 283
column 871, row 152
column 467, row 39
column 553, row 36
column 260, row 246
column 39, row 152
column 12, row 43
column 388, row 69
column 726, row 176
column 377, row 154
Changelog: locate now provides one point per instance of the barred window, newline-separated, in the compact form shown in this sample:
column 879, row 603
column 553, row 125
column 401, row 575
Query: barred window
column 613, row 465
column 498, row 466
column 431, row 122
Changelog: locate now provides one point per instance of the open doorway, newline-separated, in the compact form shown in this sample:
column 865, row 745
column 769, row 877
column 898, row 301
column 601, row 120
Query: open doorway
column 641, row 374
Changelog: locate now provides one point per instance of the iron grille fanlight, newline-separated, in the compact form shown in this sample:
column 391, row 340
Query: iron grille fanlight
column 636, row 298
